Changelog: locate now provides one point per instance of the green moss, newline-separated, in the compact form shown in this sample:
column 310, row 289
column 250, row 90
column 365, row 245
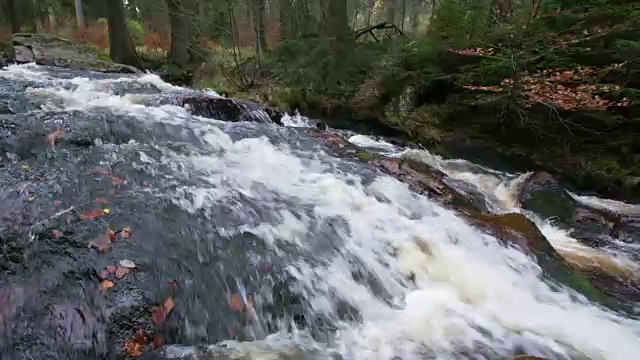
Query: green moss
column 363, row 155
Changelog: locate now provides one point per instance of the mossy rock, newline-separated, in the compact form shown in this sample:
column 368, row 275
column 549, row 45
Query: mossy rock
column 543, row 195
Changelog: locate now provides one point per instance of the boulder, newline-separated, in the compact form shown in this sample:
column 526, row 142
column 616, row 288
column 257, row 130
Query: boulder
column 7, row 54
column 544, row 196
column 514, row 228
column 627, row 228
column 51, row 50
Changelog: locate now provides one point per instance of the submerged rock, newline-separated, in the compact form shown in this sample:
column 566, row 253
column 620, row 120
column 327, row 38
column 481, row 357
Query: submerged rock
column 55, row 51
column 514, row 228
column 543, row 195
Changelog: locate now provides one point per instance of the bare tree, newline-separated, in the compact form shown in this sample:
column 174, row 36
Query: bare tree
column 80, row 16
column 180, row 17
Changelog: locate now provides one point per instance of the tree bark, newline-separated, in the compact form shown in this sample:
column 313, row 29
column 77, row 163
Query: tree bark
column 337, row 21
column 261, row 33
column 390, row 7
column 80, row 16
column 120, row 43
column 12, row 15
column 285, row 19
column 181, row 32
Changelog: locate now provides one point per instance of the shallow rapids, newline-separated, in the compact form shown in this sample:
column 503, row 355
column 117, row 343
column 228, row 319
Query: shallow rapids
column 331, row 259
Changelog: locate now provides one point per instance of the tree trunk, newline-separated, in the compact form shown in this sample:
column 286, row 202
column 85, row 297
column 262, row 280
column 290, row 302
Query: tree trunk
column 80, row 16
column 390, row 7
column 337, row 21
column 12, row 15
column 285, row 19
column 181, row 32
column 120, row 43
column 53, row 22
column 258, row 18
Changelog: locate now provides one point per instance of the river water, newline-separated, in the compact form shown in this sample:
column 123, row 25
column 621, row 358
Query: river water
column 324, row 253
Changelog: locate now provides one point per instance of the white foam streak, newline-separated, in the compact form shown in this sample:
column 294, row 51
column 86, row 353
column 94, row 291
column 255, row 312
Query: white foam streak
column 618, row 207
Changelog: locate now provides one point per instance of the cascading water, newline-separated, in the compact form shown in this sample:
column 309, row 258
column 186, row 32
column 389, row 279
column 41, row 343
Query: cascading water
column 330, row 257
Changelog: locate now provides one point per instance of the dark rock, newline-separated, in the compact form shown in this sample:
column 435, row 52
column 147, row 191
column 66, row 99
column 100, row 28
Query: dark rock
column 7, row 54
column 229, row 109
column 514, row 228
column 543, row 195
column 593, row 227
column 78, row 329
column 627, row 228
column 54, row 51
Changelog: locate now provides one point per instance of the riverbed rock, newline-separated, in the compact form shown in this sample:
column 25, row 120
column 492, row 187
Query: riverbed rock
column 627, row 229
column 44, row 49
column 7, row 54
column 515, row 228
column 543, row 195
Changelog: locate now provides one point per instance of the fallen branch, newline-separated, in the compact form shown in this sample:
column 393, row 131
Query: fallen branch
column 380, row 26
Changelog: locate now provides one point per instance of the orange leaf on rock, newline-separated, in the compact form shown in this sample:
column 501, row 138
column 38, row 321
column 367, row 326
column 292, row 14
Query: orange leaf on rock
column 168, row 305
column 236, row 303
column 101, row 244
column 101, row 171
column 103, row 274
column 117, row 181
column 57, row 234
column 158, row 315
column 158, row 341
column 126, row 232
column 91, row 214
column 121, row 272
column 133, row 349
column 57, row 202
column 141, row 337
column 105, row 285
column 54, row 137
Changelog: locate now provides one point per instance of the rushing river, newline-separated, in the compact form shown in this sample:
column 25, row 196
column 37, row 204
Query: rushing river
column 274, row 248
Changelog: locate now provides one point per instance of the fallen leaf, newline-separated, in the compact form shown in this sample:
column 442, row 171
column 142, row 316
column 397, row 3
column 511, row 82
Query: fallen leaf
column 133, row 349
column 117, row 181
column 57, row 203
column 236, row 303
column 106, row 211
column 105, row 285
column 168, row 304
column 57, row 234
column 31, row 198
column 101, row 244
column 111, row 269
column 158, row 341
column 91, row 214
column 141, row 337
column 26, row 166
column 112, row 235
column 126, row 232
column 101, row 171
column 158, row 315
column 55, row 137
column 121, row 272
column 103, row 274
column 127, row 263
column 101, row 200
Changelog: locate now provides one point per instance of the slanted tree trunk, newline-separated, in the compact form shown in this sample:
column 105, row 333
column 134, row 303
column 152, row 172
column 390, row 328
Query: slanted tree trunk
column 120, row 44
column 181, row 32
column 80, row 16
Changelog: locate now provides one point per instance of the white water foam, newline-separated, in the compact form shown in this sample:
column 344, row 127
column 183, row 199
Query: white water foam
column 469, row 292
column 296, row 120
column 614, row 206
